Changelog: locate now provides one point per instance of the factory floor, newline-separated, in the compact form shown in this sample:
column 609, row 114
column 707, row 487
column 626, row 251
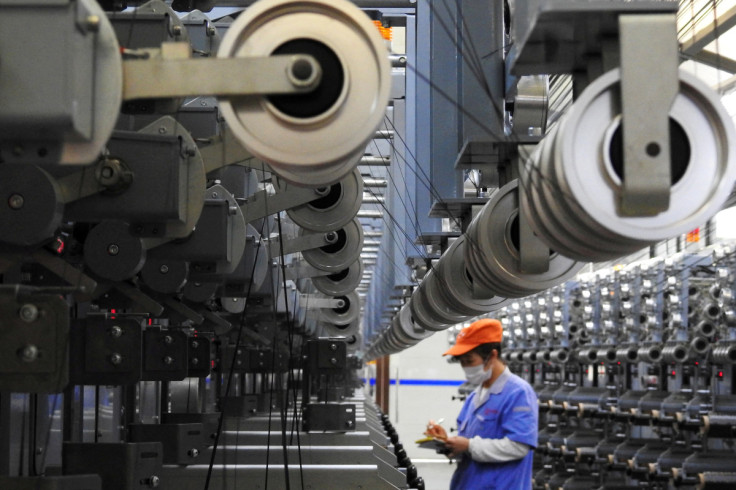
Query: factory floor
column 436, row 473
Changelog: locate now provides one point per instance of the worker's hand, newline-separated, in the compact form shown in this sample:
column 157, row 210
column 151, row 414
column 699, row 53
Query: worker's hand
column 435, row 430
column 457, row 445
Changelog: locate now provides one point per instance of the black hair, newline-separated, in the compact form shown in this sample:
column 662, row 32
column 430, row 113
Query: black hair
column 485, row 350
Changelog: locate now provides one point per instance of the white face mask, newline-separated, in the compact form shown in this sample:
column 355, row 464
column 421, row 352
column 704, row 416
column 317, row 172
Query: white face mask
column 476, row 375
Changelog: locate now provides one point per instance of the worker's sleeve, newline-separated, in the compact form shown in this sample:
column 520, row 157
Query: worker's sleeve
column 520, row 418
column 496, row 450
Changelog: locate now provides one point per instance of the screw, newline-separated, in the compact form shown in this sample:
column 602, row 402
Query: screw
column 113, row 249
column 193, row 453
column 333, row 347
column 16, row 201
column 195, row 344
column 349, row 424
column 211, row 31
column 116, row 331
column 168, row 360
column 164, row 269
column 168, row 340
column 116, row 359
column 214, row 195
column 177, row 30
column 195, row 361
column 153, row 481
column 28, row 353
column 28, row 313
column 162, row 130
column 331, row 237
column 333, row 361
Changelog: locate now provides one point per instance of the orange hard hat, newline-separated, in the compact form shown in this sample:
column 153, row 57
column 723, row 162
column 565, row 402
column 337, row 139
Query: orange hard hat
column 483, row 331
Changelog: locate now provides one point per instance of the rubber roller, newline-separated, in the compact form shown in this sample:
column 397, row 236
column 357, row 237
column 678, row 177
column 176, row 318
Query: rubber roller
column 571, row 184
column 317, row 138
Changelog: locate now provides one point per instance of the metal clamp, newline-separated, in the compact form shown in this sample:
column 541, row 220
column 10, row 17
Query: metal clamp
column 175, row 74
column 315, row 301
column 646, row 101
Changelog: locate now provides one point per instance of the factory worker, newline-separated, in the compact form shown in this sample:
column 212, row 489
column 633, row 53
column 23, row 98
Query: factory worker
column 497, row 426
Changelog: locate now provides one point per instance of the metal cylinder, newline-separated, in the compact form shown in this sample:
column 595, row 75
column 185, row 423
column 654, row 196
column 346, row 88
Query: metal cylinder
column 675, row 353
column 607, row 354
column 706, row 329
column 724, row 354
column 627, row 354
column 530, row 356
column 559, row 356
column 589, row 355
column 652, row 353
column 700, row 345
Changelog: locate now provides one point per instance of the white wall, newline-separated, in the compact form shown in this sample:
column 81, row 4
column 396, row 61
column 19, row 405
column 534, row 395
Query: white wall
column 411, row 406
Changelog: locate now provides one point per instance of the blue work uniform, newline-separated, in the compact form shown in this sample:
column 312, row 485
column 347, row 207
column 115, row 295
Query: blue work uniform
column 511, row 410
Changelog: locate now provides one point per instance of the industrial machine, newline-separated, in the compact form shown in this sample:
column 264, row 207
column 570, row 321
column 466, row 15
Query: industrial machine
column 217, row 212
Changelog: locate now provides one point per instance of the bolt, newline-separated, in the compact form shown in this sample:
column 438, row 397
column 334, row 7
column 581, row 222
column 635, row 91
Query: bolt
column 331, row 237
column 113, row 249
column 195, row 344
column 28, row 353
column 176, row 30
column 301, row 70
column 333, row 347
column 93, row 23
column 163, row 269
column 349, row 424
column 193, row 453
column 153, row 481
column 340, row 303
column 168, row 360
column 333, row 361
column 168, row 340
column 232, row 210
column 116, row 331
column 16, row 201
column 214, row 195
column 195, row 361
column 211, row 31
column 28, row 313
column 234, row 300
column 116, row 359
column 162, row 130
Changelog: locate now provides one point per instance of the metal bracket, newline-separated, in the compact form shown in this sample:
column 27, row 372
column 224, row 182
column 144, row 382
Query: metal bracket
column 646, row 101
column 302, row 270
column 314, row 301
column 225, row 150
column 174, row 74
column 533, row 253
column 309, row 241
column 262, row 204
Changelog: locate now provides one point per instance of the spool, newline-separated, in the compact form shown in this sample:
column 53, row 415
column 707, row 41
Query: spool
column 344, row 315
column 312, row 139
column 342, row 282
column 340, row 255
column 336, row 207
column 571, row 189
column 492, row 251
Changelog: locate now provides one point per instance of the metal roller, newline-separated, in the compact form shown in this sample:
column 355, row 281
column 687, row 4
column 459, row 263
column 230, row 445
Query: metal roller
column 627, row 354
column 678, row 353
column 457, row 283
column 338, row 256
column 344, row 315
column 651, row 353
column 571, row 189
column 492, row 251
column 408, row 327
column 342, row 282
column 340, row 329
column 336, row 207
column 700, row 346
column 724, row 354
column 423, row 313
column 589, row 355
column 317, row 138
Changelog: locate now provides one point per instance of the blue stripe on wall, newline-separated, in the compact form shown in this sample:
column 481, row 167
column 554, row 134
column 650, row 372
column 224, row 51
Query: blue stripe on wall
column 422, row 382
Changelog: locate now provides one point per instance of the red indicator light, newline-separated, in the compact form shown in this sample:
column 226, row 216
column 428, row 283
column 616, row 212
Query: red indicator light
column 150, row 321
column 720, row 374
column 673, row 373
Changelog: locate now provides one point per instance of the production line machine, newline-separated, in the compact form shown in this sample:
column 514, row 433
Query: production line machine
column 193, row 277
